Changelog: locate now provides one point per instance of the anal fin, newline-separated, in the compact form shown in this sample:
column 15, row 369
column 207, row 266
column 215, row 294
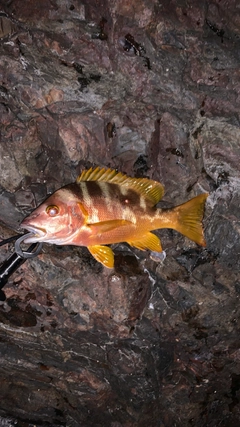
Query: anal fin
column 147, row 241
column 102, row 254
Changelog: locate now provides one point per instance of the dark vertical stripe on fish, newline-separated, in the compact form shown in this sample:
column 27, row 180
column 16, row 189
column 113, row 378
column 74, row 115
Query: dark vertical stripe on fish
column 94, row 189
column 108, row 191
column 76, row 190
column 90, row 203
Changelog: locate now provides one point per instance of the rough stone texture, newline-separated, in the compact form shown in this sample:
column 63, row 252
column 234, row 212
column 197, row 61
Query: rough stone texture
column 146, row 344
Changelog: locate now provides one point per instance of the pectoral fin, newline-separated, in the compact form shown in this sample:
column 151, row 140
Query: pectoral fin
column 147, row 241
column 103, row 226
column 102, row 254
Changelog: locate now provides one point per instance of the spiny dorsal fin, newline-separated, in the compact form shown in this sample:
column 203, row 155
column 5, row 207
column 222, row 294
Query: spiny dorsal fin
column 151, row 190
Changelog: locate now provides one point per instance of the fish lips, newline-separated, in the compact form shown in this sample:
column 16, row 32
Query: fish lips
column 38, row 234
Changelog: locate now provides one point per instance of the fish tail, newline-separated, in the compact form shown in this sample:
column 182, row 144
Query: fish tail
column 187, row 219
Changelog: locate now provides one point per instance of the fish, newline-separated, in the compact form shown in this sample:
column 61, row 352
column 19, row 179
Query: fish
column 104, row 207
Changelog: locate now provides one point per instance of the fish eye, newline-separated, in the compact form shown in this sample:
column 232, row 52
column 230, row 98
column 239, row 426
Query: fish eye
column 52, row 210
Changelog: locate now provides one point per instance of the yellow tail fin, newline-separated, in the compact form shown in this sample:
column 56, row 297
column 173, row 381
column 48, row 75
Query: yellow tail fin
column 188, row 218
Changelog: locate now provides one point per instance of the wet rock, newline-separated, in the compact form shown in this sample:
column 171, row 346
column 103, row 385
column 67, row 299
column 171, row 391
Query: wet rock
column 152, row 90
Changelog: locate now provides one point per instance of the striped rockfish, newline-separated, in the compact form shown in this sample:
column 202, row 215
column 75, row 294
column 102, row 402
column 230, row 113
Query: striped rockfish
column 104, row 206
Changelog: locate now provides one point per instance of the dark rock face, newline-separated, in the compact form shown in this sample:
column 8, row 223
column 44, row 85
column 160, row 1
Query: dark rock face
column 153, row 89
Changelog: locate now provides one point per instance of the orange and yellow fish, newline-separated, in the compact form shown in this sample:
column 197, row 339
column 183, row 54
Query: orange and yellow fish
column 104, row 206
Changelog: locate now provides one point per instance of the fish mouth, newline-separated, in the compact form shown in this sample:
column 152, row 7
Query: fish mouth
column 37, row 234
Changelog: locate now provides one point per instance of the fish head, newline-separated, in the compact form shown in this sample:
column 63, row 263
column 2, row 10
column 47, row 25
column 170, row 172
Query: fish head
column 56, row 220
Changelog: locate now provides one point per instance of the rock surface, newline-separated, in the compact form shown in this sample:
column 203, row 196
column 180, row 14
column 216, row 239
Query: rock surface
column 153, row 89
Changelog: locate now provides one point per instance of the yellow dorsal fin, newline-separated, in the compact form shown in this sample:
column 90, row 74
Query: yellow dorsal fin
column 148, row 241
column 149, row 189
column 102, row 254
